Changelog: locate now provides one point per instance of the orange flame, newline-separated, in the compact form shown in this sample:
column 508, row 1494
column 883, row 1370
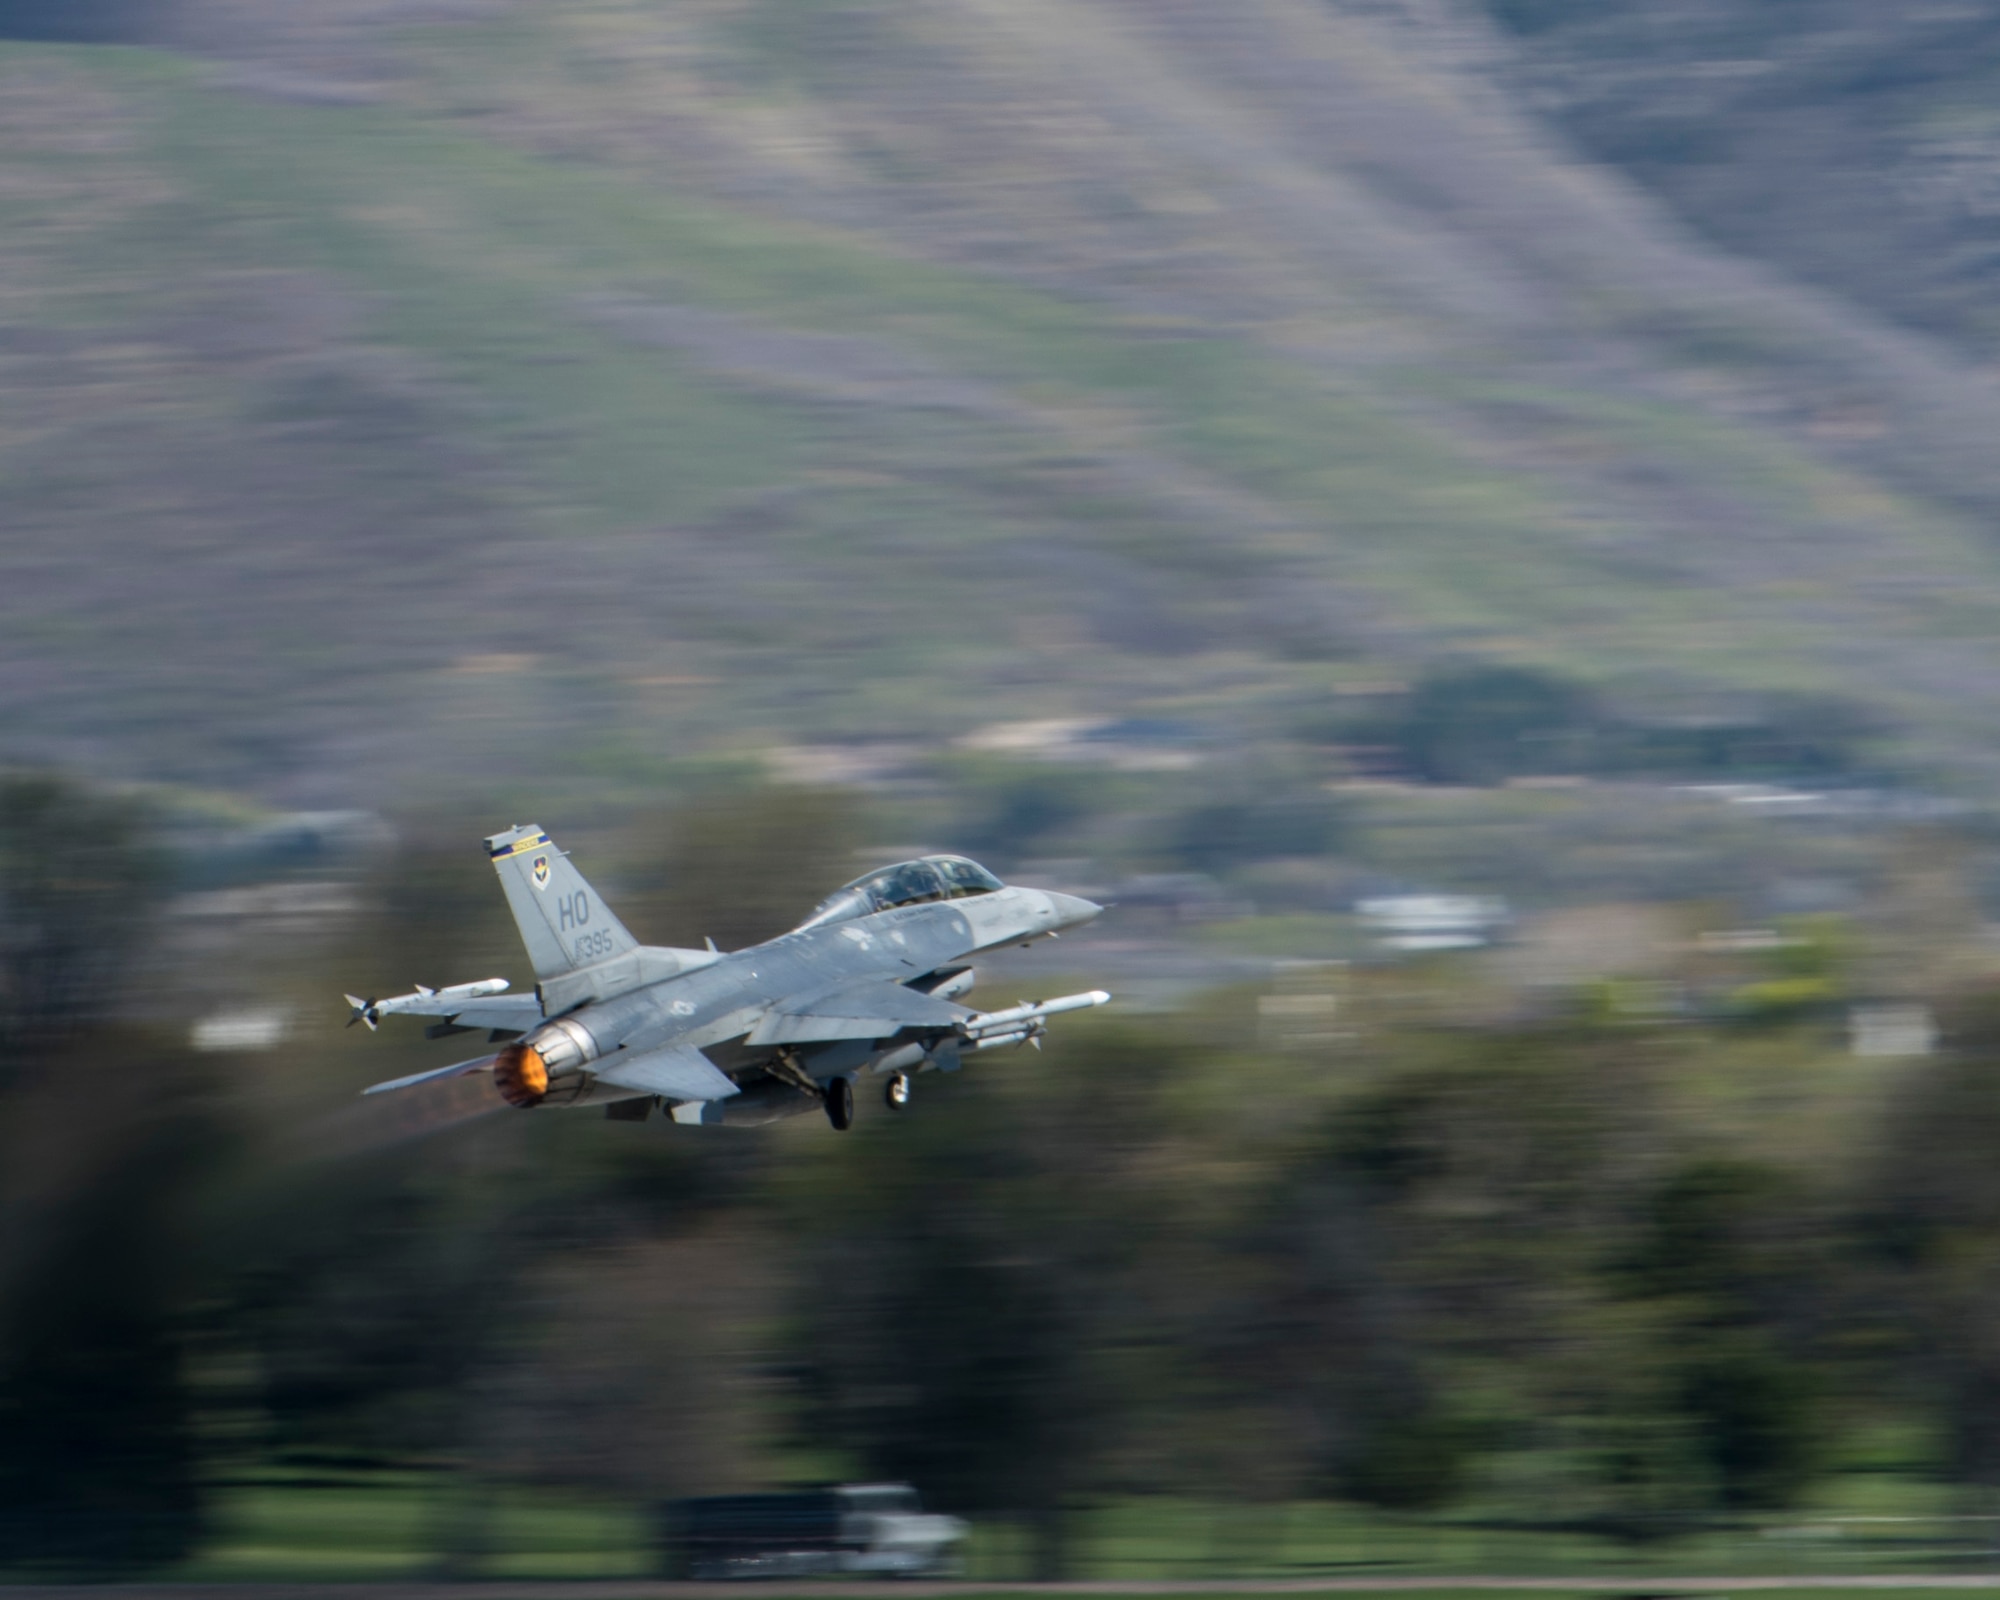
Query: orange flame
column 521, row 1076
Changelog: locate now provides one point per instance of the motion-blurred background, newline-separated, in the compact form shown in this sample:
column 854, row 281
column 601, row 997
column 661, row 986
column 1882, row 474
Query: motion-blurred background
column 1475, row 524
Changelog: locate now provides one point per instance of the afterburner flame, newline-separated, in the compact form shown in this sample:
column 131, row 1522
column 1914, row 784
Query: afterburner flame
column 521, row 1076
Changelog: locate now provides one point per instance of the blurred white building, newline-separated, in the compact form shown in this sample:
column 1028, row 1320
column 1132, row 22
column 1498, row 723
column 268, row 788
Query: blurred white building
column 1891, row 1031
column 1425, row 922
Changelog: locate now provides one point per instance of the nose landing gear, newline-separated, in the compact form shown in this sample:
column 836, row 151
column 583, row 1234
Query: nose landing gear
column 896, row 1092
column 839, row 1097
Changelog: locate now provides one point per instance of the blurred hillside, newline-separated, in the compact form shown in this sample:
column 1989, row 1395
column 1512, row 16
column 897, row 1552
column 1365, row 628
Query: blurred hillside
column 1855, row 145
column 389, row 390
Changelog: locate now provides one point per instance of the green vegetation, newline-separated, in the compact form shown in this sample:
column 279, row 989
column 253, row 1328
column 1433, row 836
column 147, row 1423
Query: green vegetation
column 328, row 1524
column 1412, row 1270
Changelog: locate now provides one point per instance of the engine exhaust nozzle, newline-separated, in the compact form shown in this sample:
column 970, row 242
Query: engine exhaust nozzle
column 521, row 1076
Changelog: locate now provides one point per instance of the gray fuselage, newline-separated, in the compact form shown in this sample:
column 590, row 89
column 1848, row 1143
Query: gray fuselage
column 714, row 1003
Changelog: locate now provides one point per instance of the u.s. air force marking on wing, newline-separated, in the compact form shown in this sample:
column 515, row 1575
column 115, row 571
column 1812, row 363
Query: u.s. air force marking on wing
column 540, row 872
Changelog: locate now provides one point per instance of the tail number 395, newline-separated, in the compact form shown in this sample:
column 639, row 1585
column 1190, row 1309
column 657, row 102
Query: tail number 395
column 594, row 946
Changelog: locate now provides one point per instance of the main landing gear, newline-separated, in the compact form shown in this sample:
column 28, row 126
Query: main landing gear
column 837, row 1095
column 839, row 1098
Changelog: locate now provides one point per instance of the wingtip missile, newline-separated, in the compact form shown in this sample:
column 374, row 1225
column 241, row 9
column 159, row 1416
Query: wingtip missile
column 469, row 991
column 1024, row 1023
column 421, row 1002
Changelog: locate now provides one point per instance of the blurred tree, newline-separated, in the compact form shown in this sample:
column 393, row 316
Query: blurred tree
column 1734, row 1240
column 1482, row 724
column 1474, row 1174
column 1642, row 1473
column 1277, row 824
column 973, row 1309
column 1732, row 1259
column 78, row 885
column 1325, row 1338
column 372, row 1259
column 1812, row 738
column 1932, row 1219
column 389, row 1286
column 1003, row 809
column 965, row 1364
column 740, row 867
column 1531, row 1198
column 669, row 1397
column 101, row 1163
column 1753, row 1409
column 100, row 1151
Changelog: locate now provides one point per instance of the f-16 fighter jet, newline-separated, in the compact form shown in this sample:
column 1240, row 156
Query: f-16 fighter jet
column 867, row 985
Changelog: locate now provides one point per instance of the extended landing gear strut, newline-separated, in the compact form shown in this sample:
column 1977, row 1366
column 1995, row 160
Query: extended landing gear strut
column 839, row 1098
column 896, row 1092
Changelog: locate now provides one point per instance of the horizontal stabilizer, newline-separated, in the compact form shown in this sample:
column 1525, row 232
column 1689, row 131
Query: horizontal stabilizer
column 677, row 1073
column 457, row 1069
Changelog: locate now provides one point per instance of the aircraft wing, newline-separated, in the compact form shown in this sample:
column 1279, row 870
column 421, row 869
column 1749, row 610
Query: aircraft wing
column 873, row 1008
column 465, row 1005
column 516, row 1013
column 679, row 1072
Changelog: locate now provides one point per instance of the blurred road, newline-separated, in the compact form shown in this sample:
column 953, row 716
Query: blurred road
column 643, row 1590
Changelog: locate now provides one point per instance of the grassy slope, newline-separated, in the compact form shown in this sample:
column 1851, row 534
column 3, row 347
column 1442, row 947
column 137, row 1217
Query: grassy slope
column 376, row 389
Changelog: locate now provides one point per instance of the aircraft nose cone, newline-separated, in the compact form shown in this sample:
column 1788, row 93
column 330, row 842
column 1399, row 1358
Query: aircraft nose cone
column 1072, row 910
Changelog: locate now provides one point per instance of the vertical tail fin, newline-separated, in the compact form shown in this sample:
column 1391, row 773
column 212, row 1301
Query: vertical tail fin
column 563, row 921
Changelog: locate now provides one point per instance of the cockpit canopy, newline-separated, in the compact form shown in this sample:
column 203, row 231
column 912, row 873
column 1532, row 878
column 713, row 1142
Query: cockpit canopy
column 908, row 883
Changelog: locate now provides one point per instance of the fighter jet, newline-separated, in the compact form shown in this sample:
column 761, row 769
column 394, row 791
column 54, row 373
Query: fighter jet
column 867, row 986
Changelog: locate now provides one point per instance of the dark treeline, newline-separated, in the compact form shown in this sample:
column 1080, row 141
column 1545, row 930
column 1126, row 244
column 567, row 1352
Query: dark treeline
column 1159, row 1259
column 1482, row 723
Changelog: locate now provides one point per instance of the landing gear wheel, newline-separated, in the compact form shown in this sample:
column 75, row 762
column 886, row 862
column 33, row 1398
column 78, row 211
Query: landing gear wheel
column 896, row 1092
column 839, row 1097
